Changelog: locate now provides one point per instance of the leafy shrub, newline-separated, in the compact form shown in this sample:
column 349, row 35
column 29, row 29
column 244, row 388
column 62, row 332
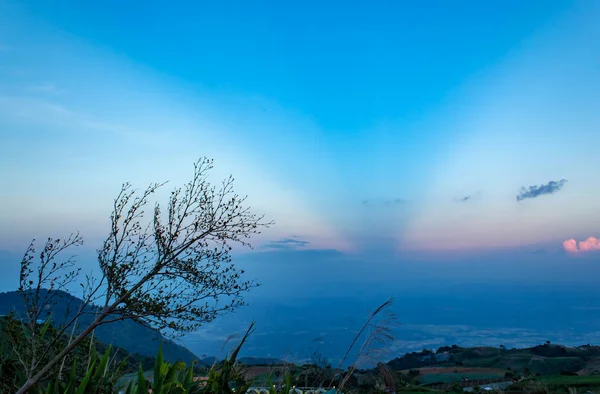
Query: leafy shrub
column 98, row 378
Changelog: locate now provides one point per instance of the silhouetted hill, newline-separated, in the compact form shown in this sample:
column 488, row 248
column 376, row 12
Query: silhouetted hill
column 249, row 361
column 127, row 334
column 133, row 360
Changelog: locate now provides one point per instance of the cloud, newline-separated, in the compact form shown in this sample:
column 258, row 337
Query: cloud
column 47, row 88
column 570, row 245
column 286, row 244
column 36, row 110
column 536, row 191
column 590, row 244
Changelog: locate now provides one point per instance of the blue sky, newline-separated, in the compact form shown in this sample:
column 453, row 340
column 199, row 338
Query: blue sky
column 398, row 129
column 390, row 141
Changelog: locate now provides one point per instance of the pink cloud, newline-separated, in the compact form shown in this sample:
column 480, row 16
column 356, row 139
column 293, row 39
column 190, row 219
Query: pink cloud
column 590, row 244
column 570, row 245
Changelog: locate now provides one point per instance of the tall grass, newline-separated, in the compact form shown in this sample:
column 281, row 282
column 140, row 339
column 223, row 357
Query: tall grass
column 101, row 372
column 379, row 329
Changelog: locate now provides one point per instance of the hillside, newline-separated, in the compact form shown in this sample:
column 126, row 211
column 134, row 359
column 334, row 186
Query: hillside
column 133, row 360
column 454, row 364
column 126, row 334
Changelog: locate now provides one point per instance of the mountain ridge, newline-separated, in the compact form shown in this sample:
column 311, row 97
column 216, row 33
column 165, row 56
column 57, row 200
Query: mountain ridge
column 127, row 334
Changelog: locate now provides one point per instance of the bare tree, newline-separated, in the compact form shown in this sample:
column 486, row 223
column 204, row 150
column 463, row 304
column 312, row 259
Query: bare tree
column 41, row 286
column 172, row 272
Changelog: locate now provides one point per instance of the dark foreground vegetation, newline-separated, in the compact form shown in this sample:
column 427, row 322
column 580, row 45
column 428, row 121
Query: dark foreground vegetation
column 95, row 367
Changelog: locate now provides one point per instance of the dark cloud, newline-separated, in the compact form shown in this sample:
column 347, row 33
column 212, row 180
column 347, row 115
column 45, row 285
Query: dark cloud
column 536, row 191
column 285, row 244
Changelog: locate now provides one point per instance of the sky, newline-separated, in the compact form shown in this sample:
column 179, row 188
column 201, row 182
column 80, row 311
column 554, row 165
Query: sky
column 428, row 141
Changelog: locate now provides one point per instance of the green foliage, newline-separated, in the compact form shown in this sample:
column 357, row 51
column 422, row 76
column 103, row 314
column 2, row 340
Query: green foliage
column 167, row 378
column 98, row 379
column 90, row 373
column 562, row 382
column 414, row 372
column 177, row 378
column 221, row 378
column 457, row 377
column 21, row 343
column 555, row 359
column 14, row 337
column 126, row 334
column 11, row 375
column 286, row 386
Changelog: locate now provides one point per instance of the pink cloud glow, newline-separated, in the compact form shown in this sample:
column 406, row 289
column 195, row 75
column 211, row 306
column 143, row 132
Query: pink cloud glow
column 590, row 244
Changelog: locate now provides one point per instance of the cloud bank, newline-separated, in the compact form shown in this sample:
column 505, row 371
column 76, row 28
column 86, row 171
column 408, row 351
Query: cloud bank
column 536, row 191
column 590, row 244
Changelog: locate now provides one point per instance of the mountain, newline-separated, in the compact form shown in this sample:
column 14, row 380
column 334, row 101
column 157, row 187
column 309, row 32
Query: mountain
column 127, row 334
column 133, row 361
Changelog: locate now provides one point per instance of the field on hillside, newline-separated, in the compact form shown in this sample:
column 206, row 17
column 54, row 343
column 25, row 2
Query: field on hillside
column 456, row 374
column 518, row 361
column 258, row 374
column 591, row 367
column 535, row 363
column 561, row 384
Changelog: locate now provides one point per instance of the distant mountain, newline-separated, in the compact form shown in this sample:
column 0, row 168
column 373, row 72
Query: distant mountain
column 208, row 361
column 249, row 361
column 261, row 361
column 127, row 334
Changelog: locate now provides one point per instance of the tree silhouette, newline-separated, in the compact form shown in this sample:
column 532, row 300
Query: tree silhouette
column 172, row 272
